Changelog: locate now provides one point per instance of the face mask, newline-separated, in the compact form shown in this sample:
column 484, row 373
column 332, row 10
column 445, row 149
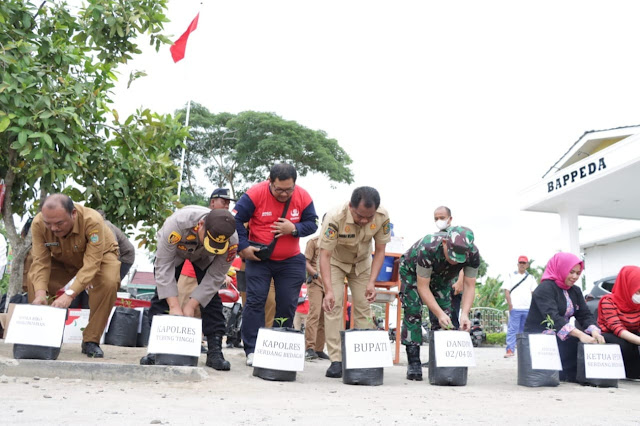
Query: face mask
column 636, row 299
column 442, row 224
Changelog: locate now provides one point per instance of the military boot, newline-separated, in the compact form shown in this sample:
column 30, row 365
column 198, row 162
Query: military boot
column 414, row 367
column 215, row 359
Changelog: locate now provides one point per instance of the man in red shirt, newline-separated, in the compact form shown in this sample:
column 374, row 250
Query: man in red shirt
column 278, row 213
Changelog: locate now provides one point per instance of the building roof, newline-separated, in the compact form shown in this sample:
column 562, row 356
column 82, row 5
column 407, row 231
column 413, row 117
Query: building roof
column 143, row 278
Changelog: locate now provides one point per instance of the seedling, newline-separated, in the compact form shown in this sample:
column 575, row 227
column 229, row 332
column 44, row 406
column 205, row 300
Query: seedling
column 281, row 320
column 549, row 323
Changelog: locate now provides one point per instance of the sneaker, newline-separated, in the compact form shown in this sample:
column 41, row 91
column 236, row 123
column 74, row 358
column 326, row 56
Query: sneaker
column 250, row 359
column 310, row 354
column 322, row 355
column 509, row 353
column 334, row 370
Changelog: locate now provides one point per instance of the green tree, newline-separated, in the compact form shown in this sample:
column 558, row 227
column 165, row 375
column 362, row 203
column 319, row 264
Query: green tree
column 239, row 150
column 57, row 130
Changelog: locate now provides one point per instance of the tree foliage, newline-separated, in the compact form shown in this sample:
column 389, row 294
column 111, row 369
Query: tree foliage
column 239, row 150
column 57, row 130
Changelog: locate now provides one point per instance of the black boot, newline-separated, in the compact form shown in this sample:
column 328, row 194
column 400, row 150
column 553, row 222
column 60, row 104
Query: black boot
column 215, row 359
column 414, row 367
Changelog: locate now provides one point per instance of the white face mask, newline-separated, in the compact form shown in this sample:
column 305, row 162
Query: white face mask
column 636, row 299
column 442, row 224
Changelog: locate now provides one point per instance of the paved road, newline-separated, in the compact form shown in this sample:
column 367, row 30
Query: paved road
column 491, row 396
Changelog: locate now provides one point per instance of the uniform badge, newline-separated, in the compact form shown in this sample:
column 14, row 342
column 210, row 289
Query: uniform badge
column 174, row 238
column 231, row 253
column 372, row 226
column 347, row 228
column 386, row 227
column 332, row 232
column 93, row 237
column 181, row 247
column 191, row 237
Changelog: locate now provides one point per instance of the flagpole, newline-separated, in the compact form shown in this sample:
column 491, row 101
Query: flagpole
column 184, row 144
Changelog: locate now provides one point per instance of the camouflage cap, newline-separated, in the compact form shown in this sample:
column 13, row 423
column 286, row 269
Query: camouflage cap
column 460, row 243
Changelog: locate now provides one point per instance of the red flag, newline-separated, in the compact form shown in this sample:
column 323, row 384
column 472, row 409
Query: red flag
column 179, row 46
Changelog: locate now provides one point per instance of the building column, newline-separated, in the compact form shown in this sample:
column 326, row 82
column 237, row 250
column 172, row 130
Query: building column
column 569, row 230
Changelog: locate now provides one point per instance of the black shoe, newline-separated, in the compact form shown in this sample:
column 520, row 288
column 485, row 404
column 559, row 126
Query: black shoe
column 203, row 349
column 310, row 354
column 215, row 359
column 149, row 359
column 322, row 355
column 92, row 350
column 334, row 370
column 414, row 367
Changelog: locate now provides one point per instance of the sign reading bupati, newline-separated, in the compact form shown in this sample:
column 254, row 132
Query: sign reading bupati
column 544, row 352
column 603, row 362
column 175, row 335
column 36, row 325
column 367, row 349
column 453, row 349
column 279, row 350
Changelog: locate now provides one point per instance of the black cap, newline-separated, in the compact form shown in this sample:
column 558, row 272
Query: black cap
column 219, row 226
column 221, row 193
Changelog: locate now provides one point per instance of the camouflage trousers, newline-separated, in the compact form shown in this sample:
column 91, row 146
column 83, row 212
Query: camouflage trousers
column 412, row 305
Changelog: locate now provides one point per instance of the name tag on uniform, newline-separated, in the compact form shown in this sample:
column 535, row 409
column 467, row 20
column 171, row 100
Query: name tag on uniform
column 51, row 244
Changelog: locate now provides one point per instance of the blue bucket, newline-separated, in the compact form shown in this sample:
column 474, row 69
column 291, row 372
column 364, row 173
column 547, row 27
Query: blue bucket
column 387, row 269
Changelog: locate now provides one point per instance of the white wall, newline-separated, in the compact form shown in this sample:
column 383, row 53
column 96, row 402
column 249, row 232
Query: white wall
column 607, row 259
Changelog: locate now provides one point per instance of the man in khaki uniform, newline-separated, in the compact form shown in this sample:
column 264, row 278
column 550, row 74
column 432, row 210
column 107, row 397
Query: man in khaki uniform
column 345, row 251
column 70, row 240
column 314, row 327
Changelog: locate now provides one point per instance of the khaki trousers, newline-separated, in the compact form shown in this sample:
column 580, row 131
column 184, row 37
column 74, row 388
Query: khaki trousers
column 314, row 328
column 360, row 308
column 102, row 292
column 186, row 285
column 270, row 306
column 299, row 319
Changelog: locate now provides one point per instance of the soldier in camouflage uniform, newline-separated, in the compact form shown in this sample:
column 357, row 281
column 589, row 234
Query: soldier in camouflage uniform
column 427, row 272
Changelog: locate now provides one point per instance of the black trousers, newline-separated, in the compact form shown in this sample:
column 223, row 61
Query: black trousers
column 569, row 356
column 630, row 355
column 212, row 317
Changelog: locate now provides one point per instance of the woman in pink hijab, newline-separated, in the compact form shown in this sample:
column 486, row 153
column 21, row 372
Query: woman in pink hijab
column 619, row 318
column 558, row 297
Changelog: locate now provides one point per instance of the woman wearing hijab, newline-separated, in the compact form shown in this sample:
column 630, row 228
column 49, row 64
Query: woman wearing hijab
column 619, row 318
column 554, row 302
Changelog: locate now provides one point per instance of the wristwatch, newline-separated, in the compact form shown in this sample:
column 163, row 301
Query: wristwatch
column 294, row 233
column 70, row 293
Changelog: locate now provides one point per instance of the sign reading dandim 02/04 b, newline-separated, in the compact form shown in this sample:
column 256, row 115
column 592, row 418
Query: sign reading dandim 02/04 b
column 453, row 349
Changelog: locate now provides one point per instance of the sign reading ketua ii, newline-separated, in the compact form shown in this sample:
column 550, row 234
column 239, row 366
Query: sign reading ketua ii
column 453, row 349
column 175, row 335
column 603, row 362
column 279, row 350
column 367, row 349
column 36, row 325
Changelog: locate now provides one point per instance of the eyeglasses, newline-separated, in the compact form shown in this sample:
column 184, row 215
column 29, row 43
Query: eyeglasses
column 282, row 190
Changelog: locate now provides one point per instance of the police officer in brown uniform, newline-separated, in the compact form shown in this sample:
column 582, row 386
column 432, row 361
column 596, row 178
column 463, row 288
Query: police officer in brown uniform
column 208, row 239
column 70, row 240
column 345, row 251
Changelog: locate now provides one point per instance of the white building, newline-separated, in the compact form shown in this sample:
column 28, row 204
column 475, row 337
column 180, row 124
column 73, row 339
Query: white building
column 597, row 177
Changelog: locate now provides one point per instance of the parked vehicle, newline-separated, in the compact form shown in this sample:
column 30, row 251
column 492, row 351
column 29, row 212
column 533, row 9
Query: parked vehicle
column 478, row 335
column 232, row 310
column 600, row 288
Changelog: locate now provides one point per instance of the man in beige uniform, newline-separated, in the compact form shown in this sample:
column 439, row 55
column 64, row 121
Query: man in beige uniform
column 345, row 251
column 70, row 240
column 314, row 327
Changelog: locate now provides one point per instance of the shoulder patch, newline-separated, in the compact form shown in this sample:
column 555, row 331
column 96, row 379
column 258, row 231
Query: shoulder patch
column 191, row 237
column 174, row 238
column 332, row 232
column 231, row 253
column 94, row 237
column 386, row 227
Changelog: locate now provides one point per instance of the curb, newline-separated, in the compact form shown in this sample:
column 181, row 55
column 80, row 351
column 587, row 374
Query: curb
column 100, row 371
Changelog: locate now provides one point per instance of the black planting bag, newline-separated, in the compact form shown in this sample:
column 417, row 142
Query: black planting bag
column 277, row 375
column 582, row 378
column 21, row 351
column 359, row 376
column 123, row 330
column 444, row 376
column 527, row 376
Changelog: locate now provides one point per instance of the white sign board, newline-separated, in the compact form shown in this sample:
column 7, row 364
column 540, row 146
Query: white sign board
column 36, row 325
column 175, row 335
column 77, row 321
column 367, row 349
column 603, row 362
column 544, row 352
column 454, row 349
column 279, row 350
